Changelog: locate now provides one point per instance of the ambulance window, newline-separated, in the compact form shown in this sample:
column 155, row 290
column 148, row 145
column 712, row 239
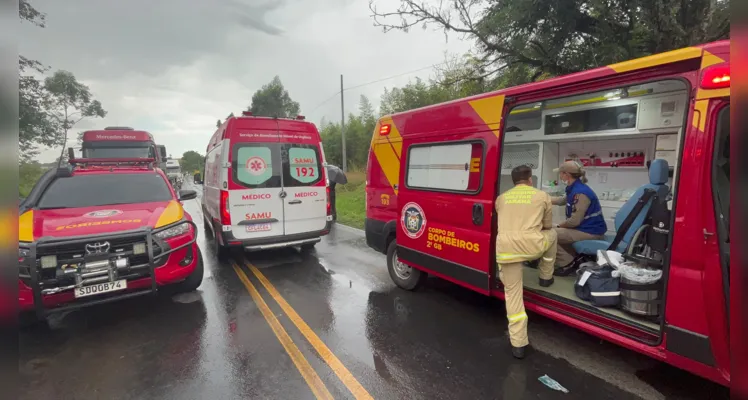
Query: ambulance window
column 524, row 118
column 256, row 165
column 301, row 165
column 722, row 167
column 454, row 167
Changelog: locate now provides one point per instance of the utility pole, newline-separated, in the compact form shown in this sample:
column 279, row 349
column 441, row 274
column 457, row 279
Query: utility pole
column 342, row 122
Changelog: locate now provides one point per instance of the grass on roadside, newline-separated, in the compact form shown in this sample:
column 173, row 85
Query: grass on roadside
column 350, row 200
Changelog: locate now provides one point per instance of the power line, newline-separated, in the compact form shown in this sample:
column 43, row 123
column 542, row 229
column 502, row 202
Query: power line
column 373, row 82
column 322, row 103
column 394, row 76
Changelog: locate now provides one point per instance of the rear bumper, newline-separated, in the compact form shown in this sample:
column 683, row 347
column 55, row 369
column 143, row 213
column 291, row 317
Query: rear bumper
column 173, row 264
column 376, row 234
column 275, row 242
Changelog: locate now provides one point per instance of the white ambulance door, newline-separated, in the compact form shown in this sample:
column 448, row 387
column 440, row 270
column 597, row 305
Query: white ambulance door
column 305, row 187
column 256, row 201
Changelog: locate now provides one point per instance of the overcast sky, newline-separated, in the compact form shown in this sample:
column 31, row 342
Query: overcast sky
column 174, row 67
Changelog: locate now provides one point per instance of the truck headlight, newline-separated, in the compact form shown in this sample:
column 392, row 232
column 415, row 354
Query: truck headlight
column 49, row 261
column 139, row 248
column 177, row 230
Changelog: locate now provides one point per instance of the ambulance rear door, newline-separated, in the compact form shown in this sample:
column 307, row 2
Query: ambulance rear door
column 256, row 185
column 304, row 183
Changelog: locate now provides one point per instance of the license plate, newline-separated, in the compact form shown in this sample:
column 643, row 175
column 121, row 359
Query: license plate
column 259, row 228
column 99, row 288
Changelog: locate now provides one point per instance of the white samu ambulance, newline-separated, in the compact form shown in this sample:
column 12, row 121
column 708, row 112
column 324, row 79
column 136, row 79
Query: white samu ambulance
column 265, row 185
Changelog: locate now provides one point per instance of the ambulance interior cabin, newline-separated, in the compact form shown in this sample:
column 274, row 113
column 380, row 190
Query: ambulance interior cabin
column 615, row 134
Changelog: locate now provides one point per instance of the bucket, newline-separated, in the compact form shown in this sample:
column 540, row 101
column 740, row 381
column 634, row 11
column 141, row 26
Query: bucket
column 640, row 298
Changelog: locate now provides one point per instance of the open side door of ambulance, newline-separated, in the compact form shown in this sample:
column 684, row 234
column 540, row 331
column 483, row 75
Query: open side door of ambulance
column 446, row 197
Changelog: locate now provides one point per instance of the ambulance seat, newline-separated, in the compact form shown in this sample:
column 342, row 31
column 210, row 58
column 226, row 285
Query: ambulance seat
column 658, row 177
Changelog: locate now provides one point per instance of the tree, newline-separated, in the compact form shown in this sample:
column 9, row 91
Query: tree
column 273, row 100
column 531, row 39
column 68, row 103
column 218, row 123
column 365, row 109
column 35, row 128
column 192, row 161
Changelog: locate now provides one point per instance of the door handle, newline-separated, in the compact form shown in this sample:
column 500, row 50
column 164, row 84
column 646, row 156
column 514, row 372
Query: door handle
column 294, row 202
column 395, row 186
column 707, row 234
column 478, row 214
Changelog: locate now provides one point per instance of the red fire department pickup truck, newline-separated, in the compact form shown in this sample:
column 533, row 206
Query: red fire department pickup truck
column 103, row 230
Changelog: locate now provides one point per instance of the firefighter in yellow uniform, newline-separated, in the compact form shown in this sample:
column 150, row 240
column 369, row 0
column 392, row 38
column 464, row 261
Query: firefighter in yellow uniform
column 525, row 233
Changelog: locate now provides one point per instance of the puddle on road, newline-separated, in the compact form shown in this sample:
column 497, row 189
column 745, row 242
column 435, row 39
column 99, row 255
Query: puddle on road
column 187, row 298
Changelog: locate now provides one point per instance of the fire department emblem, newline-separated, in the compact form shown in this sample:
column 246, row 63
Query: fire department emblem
column 102, row 213
column 256, row 166
column 413, row 220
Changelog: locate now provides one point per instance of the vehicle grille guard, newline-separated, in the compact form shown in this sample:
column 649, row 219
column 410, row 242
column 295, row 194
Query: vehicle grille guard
column 34, row 264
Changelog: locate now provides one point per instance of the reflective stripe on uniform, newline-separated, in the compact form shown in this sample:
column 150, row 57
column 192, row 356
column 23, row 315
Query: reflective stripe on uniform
column 606, row 294
column 548, row 259
column 517, row 317
column 511, row 256
column 594, row 214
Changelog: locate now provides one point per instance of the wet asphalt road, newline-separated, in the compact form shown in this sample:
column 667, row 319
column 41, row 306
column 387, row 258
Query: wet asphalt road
column 345, row 329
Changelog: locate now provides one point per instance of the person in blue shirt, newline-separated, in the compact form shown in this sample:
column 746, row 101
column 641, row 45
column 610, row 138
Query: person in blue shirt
column 584, row 215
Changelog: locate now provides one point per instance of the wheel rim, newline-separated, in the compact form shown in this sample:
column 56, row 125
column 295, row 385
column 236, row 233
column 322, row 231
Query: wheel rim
column 402, row 271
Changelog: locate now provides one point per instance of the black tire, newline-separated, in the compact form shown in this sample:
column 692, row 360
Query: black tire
column 208, row 231
column 222, row 252
column 195, row 279
column 307, row 247
column 405, row 277
column 29, row 320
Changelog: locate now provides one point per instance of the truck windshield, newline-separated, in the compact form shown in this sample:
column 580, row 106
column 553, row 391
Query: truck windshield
column 118, row 152
column 106, row 189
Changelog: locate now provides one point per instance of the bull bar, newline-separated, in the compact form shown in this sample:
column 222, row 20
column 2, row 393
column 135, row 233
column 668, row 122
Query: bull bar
column 147, row 233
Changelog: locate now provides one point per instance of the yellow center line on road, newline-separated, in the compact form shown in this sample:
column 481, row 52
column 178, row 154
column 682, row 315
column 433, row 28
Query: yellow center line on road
column 327, row 355
column 307, row 372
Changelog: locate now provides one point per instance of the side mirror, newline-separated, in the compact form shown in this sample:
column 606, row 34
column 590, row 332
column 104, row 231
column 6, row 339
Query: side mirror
column 186, row 194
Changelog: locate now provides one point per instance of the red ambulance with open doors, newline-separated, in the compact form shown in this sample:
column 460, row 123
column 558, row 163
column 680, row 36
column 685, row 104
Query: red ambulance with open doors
column 658, row 123
column 265, row 185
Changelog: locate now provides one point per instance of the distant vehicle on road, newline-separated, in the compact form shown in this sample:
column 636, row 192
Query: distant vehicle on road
column 265, row 185
column 174, row 173
column 122, row 142
column 101, row 231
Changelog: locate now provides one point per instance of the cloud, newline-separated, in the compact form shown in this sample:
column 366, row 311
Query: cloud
column 175, row 67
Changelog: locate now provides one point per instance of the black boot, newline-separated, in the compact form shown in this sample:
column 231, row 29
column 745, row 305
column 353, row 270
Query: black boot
column 519, row 352
column 566, row 270
column 545, row 282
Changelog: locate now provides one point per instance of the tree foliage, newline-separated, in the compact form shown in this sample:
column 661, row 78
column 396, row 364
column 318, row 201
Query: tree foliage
column 530, row 39
column 358, row 131
column 273, row 100
column 48, row 109
column 192, row 161
column 68, row 102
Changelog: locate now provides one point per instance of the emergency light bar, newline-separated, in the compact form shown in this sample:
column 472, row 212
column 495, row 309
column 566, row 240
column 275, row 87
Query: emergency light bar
column 111, row 161
column 716, row 77
column 384, row 130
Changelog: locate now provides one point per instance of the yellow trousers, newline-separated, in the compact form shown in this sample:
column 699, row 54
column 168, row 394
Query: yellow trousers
column 511, row 277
